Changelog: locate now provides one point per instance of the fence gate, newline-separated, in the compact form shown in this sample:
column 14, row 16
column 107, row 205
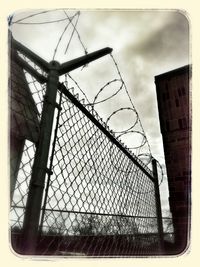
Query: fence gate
column 75, row 188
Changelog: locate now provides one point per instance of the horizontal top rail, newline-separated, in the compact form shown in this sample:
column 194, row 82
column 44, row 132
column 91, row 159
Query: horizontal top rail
column 76, row 102
column 81, row 61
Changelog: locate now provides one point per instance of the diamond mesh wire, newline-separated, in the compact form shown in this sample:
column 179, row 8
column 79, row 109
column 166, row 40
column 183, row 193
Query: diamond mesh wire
column 96, row 193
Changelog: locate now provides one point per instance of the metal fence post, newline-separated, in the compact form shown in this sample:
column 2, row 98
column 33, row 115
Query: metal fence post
column 36, row 188
column 158, row 205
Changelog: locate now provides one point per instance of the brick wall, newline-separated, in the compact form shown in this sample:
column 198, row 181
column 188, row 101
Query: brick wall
column 173, row 96
column 24, row 116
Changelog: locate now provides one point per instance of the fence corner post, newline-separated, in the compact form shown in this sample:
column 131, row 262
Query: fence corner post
column 37, row 182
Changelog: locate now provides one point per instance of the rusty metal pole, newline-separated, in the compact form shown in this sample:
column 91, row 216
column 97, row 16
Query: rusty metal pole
column 36, row 188
column 158, row 206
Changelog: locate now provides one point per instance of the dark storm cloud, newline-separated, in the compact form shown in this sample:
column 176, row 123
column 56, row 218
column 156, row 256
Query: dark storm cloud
column 145, row 43
column 161, row 44
column 170, row 42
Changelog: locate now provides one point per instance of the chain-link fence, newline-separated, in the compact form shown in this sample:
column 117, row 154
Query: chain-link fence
column 97, row 197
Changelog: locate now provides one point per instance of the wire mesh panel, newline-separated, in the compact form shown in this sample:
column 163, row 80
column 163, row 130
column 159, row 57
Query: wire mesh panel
column 96, row 193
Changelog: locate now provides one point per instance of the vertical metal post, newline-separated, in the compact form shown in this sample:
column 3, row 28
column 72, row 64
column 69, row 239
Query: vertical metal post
column 36, row 188
column 50, row 166
column 158, row 205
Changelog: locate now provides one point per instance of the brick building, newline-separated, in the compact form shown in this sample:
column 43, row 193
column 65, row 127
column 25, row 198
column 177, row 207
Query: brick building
column 24, row 116
column 173, row 96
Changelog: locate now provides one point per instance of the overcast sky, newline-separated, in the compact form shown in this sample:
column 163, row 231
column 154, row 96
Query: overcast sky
column 145, row 44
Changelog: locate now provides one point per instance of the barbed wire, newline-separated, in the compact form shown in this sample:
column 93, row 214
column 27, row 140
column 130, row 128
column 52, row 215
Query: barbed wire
column 32, row 15
column 75, row 29
column 40, row 23
column 62, row 34
column 119, row 110
column 138, row 121
column 92, row 104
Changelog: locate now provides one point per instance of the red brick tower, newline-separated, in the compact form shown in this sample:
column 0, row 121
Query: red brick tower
column 173, row 96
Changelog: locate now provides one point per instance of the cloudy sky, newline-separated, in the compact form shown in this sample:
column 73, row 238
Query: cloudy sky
column 145, row 43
